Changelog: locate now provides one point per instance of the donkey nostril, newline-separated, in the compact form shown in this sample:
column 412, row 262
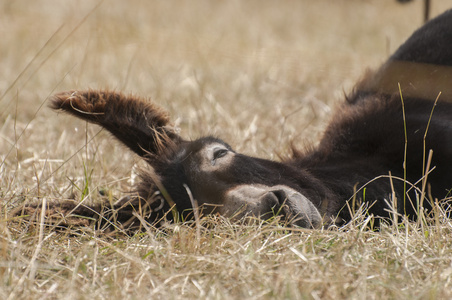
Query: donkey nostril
column 281, row 195
column 278, row 201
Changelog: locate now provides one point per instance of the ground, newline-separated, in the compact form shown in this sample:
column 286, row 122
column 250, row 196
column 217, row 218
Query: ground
column 258, row 74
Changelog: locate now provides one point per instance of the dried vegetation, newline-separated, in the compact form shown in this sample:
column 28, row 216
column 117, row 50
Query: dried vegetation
column 257, row 74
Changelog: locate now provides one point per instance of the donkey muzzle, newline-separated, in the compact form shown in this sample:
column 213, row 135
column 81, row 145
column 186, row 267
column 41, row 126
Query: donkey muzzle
column 268, row 201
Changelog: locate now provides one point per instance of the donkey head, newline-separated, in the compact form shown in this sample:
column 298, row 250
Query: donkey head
column 204, row 174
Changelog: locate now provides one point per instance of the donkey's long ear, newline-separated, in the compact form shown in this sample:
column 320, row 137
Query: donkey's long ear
column 139, row 124
column 422, row 65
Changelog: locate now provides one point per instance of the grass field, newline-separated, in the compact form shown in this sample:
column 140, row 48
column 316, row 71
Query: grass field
column 259, row 74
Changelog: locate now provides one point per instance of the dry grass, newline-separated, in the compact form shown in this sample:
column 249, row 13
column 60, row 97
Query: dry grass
column 257, row 74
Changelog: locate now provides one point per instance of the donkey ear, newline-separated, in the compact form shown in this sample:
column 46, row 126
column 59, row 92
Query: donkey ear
column 139, row 124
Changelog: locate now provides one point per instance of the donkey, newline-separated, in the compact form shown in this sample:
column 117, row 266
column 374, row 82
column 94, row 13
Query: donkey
column 374, row 151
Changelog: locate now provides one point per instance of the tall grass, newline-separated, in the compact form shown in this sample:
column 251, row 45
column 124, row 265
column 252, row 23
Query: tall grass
column 257, row 74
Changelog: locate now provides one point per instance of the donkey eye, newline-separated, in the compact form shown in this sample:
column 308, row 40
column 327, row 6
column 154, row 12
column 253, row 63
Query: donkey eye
column 219, row 152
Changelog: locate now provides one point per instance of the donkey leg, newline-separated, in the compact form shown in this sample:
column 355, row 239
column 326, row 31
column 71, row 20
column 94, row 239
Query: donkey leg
column 126, row 214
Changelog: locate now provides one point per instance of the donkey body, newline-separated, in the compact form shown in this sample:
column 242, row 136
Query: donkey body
column 374, row 144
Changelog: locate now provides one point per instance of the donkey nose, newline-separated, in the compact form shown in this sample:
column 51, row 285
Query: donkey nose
column 297, row 207
column 280, row 195
column 280, row 200
column 264, row 201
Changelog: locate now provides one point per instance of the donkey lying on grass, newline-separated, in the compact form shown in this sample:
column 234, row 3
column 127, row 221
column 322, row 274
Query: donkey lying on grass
column 374, row 151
